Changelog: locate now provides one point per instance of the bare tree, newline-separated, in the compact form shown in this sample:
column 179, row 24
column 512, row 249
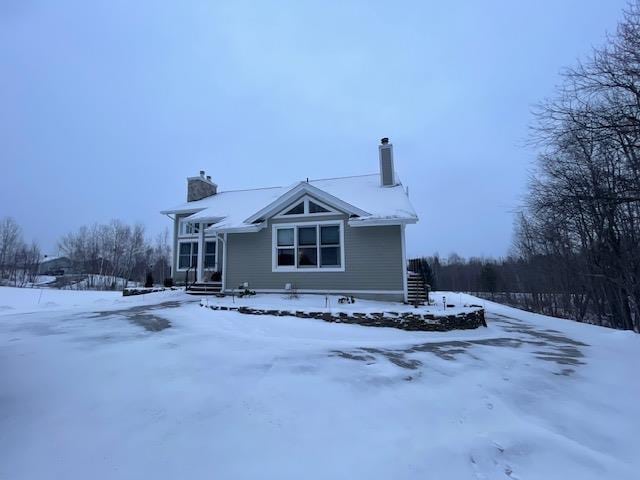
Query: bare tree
column 581, row 224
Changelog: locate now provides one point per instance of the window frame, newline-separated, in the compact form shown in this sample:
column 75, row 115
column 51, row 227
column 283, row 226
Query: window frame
column 213, row 240
column 305, row 200
column 215, row 255
column 184, row 223
column 191, row 242
column 294, row 225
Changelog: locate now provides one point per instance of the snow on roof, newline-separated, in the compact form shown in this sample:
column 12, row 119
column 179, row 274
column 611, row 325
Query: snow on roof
column 230, row 209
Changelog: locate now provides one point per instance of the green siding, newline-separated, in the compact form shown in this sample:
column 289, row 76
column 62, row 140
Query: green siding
column 373, row 261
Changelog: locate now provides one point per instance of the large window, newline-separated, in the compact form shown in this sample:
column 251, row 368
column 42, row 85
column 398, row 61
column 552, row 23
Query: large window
column 187, row 255
column 308, row 246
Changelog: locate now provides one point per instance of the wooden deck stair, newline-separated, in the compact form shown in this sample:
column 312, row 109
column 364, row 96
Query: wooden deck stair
column 204, row 288
column 417, row 290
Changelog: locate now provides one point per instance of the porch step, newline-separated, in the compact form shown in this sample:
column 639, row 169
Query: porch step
column 204, row 288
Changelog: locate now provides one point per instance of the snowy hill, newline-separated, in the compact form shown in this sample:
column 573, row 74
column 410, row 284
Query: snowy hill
column 96, row 386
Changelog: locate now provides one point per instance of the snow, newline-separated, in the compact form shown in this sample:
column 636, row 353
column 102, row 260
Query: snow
column 90, row 390
column 329, row 303
column 32, row 300
column 232, row 208
column 93, row 280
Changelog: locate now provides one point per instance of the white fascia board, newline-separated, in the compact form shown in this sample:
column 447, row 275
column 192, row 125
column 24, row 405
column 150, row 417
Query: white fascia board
column 244, row 229
column 208, row 218
column 303, row 187
column 377, row 222
column 182, row 210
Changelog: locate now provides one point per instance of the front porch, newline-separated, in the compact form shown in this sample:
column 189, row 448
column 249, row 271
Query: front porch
column 204, row 288
column 200, row 258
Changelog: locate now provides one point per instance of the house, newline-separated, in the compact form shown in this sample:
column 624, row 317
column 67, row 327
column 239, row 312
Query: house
column 336, row 235
column 52, row 265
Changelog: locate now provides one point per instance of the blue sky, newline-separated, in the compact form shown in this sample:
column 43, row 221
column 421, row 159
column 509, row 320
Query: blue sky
column 107, row 106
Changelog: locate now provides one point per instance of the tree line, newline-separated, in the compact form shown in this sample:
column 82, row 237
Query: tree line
column 117, row 250
column 107, row 255
column 577, row 237
column 527, row 283
column 19, row 260
column 580, row 226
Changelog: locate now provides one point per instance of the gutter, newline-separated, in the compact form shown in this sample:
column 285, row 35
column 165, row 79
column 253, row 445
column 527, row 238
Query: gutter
column 376, row 222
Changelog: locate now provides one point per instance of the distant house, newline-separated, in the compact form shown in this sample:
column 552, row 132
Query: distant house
column 341, row 235
column 55, row 266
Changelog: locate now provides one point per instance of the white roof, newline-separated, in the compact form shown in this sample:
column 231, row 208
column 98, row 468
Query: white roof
column 362, row 196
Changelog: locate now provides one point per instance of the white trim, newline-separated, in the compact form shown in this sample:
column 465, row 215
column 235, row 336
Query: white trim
column 187, row 220
column 337, row 292
column 303, row 187
column 379, row 222
column 224, row 261
column 294, row 269
column 179, row 211
column 405, row 285
column 248, row 229
column 200, row 267
column 305, row 200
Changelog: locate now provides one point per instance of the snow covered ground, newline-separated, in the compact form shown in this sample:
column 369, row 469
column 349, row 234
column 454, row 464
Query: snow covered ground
column 456, row 303
column 99, row 386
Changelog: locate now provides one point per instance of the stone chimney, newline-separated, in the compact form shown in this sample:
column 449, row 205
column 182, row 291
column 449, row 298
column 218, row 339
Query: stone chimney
column 200, row 187
column 387, row 171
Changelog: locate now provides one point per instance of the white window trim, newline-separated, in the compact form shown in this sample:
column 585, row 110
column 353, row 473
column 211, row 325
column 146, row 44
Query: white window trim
column 306, row 199
column 274, row 243
column 184, row 221
column 190, row 240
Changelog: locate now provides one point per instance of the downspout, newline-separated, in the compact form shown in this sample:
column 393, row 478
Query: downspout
column 405, row 287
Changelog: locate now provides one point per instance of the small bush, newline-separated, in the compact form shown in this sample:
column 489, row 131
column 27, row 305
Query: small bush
column 216, row 277
column 246, row 292
column 168, row 282
column 148, row 283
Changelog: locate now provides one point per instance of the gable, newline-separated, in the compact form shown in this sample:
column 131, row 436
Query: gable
column 321, row 197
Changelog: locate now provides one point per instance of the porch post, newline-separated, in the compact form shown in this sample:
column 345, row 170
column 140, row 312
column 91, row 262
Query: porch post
column 405, row 287
column 200, row 267
column 224, row 262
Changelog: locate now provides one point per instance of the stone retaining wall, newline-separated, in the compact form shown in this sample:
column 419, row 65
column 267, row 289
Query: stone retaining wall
column 128, row 292
column 402, row 320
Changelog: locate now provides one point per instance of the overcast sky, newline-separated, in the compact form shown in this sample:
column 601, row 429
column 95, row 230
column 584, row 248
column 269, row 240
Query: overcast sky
column 107, row 106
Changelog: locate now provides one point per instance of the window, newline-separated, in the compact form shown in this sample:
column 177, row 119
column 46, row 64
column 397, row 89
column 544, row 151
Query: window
column 210, row 255
column 191, row 228
column 285, row 247
column 187, row 255
column 297, row 210
column 307, row 206
column 330, row 246
column 315, row 208
column 308, row 246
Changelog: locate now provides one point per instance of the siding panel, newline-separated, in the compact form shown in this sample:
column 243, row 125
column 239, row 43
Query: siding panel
column 373, row 261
